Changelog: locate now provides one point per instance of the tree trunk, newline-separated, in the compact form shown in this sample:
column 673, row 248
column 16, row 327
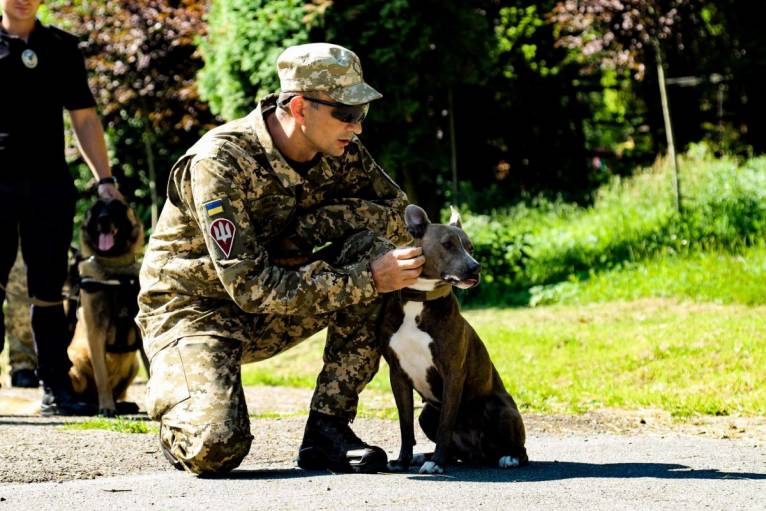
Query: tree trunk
column 147, row 137
column 668, row 126
column 453, row 147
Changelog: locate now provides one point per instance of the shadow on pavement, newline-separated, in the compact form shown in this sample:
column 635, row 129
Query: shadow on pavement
column 273, row 473
column 556, row 470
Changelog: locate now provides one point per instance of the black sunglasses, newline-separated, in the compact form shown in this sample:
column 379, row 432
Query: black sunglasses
column 350, row 114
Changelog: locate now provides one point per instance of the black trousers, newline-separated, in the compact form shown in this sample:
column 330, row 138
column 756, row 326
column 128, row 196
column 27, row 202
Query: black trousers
column 40, row 216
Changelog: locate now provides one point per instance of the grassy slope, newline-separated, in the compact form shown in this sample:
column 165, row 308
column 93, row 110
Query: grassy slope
column 717, row 277
column 681, row 356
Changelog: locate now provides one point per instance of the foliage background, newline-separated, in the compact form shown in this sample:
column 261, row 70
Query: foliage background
column 553, row 107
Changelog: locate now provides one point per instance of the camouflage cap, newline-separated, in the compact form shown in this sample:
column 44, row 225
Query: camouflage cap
column 324, row 67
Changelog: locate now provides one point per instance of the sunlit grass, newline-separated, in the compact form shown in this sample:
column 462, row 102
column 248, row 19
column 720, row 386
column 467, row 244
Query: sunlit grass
column 717, row 277
column 119, row 425
column 684, row 358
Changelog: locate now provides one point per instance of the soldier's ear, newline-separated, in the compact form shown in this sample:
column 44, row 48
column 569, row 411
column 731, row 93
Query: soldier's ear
column 416, row 220
column 296, row 106
column 454, row 219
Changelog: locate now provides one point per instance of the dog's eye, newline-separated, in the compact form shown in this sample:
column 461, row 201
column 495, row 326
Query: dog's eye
column 447, row 244
column 469, row 248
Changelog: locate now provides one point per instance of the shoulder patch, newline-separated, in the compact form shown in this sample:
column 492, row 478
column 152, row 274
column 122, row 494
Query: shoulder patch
column 220, row 224
column 223, row 230
column 214, row 207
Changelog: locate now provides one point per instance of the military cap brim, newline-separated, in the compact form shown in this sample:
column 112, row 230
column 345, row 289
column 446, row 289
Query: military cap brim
column 357, row 94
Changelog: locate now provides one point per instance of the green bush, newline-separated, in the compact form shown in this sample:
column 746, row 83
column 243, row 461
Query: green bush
column 544, row 242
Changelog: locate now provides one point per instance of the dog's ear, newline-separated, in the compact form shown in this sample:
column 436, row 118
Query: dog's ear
column 416, row 220
column 454, row 219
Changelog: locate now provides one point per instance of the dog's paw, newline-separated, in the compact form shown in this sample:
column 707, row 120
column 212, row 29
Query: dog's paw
column 398, row 466
column 421, row 458
column 126, row 408
column 107, row 412
column 430, row 467
column 508, row 462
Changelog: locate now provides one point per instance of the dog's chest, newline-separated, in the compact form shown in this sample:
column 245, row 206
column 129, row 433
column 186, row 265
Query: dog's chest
column 412, row 347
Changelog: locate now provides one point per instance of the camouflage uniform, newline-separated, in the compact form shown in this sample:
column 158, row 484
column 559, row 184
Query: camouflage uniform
column 212, row 297
column 18, row 322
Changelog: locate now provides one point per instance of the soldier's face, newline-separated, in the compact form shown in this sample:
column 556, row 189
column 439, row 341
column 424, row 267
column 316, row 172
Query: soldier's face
column 20, row 10
column 327, row 134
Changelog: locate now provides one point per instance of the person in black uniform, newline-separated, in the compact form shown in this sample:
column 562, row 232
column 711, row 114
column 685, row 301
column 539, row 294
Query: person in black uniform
column 42, row 72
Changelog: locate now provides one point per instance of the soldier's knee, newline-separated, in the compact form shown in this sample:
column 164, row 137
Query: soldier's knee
column 211, row 449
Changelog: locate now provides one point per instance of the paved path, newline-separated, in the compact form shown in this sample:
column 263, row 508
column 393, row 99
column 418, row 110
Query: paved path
column 588, row 462
column 606, row 472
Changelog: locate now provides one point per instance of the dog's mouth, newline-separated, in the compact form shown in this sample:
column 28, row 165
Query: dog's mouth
column 106, row 240
column 462, row 283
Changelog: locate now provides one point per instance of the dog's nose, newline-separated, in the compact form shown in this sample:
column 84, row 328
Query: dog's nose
column 474, row 267
column 104, row 222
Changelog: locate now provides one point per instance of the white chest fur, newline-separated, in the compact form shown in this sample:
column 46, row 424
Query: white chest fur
column 413, row 349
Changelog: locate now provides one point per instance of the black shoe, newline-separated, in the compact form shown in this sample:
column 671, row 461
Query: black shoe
column 24, row 378
column 62, row 402
column 329, row 444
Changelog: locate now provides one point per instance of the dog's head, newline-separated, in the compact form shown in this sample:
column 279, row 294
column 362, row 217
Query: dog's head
column 110, row 229
column 446, row 248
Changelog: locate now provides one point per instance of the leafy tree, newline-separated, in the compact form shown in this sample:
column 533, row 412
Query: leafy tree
column 143, row 61
column 416, row 53
column 540, row 110
column 631, row 36
column 428, row 58
column 245, row 38
column 620, row 33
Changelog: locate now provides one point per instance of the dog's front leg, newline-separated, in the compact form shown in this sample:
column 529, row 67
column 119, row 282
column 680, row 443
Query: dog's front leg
column 402, row 389
column 451, row 396
column 97, row 347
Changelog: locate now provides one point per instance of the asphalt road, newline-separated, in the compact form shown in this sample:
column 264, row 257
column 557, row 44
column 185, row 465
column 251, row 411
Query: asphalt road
column 609, row 472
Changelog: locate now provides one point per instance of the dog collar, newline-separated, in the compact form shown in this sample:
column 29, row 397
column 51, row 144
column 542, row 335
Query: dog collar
column 413, row 295
column 101, row 269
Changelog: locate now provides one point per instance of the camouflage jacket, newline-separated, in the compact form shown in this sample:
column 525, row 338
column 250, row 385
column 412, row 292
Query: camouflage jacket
column 231, row 199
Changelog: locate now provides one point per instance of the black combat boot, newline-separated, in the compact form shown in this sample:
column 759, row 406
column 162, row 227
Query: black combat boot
column 25, row 378
column 60, row 401
column 329, row 444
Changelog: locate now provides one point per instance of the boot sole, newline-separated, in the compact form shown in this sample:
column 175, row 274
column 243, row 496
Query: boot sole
column 311, row 459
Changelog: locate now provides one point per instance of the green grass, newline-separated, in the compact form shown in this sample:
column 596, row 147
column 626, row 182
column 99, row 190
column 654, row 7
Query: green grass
column 119, row 425
column 543, row 242
column 684, row 358
column 275, row 415
column 716, row 277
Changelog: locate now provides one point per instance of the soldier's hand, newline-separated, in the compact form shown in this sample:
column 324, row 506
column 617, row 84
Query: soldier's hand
column 109, row 191
column 397, row 269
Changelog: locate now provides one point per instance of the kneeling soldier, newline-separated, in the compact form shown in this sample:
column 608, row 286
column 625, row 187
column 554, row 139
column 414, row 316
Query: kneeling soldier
column 233, row 272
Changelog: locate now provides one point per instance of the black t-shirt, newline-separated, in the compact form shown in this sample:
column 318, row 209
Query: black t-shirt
column 38, row 79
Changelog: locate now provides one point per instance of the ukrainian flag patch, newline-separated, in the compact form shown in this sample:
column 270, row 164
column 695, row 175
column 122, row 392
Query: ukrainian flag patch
column 214, row 207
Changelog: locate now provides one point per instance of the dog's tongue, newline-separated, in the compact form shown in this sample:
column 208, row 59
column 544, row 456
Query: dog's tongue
column 105, row 242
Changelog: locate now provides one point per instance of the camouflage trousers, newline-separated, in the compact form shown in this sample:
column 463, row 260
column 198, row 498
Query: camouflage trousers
column 18, row 321
column 195, row 387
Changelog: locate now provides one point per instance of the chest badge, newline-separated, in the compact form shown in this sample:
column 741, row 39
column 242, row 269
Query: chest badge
column 29, row 58
column 222, row 230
